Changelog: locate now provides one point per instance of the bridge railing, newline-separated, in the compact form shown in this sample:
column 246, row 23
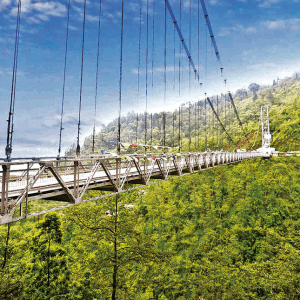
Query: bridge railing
column 68, row 178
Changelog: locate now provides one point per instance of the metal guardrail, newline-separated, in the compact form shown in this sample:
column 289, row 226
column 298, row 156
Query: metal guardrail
column 67, row 179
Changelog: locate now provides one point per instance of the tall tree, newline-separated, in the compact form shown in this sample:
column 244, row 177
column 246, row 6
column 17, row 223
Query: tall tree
column 47, row 275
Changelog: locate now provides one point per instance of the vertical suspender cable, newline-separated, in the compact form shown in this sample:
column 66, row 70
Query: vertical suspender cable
column 190, row 46
column 137, row 123
column 153, row 23
column 64, row 81
column 195, row 136
column 174, row 52
column 199, row 118
column 179, row 77
column 147, row 47
column 205, row 53
column 97, row 72
column 151, row 129
column 189, row 133
column 139, row 66
column 10, row 125
column 173, row 127
column 221, row 113
column 81, row 78
column 218, row 132
column 179, row 63
column 120, row 82
column 226, row 123
column 209, row 135
column 198, row 16
column 165, row 79
column 179, row 125
column 205, row 125
column 197, row 122
column 198, row 37
column 213, row 128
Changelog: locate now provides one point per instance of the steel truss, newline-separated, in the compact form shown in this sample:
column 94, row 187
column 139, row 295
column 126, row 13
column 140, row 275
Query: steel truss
column 67, row 179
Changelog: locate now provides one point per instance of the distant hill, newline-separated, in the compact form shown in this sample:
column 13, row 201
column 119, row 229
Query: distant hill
column 205, row 132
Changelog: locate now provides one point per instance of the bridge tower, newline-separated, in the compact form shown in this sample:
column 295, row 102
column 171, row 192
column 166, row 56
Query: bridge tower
column 265, row 127
column 266, row 136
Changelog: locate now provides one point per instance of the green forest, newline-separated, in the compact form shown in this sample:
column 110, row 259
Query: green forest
column 230, row 232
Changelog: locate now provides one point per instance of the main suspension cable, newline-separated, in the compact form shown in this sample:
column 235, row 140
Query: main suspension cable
column 167, row 5
column 97, row 72
column 64, row 81
column 237, row 115
column 10, row 125
column 213, row 109
column 211, row 34
column 81, row 79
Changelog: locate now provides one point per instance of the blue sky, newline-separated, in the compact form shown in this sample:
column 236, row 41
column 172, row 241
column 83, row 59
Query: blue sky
column 258, row 41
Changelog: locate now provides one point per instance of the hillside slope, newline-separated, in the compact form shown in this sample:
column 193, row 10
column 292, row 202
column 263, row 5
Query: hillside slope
column 205, row 132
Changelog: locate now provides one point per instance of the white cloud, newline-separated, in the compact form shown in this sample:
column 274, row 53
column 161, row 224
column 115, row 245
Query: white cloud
column 169, row 69
column 292, row 23
column 93, row 18
column 225, row 31
column 73, row 28
column 261, row 65
column 275, row 24
column 50, row 8
column 268, row 3
column 251, row 30
column 43, row 17
column 33, row 20
column 4, row 4
column 26, row 7
column 41, row 10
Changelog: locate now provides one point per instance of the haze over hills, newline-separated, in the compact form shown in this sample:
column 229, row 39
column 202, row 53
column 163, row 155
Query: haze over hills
column 282, row 98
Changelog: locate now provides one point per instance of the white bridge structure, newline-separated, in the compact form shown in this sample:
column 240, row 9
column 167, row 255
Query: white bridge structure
column 67, row 179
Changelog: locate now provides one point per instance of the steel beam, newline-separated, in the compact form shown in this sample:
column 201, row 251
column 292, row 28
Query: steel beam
column 109, row 177
column 62, row 183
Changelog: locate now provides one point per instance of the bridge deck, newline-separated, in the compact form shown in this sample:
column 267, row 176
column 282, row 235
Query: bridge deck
column 68, row 179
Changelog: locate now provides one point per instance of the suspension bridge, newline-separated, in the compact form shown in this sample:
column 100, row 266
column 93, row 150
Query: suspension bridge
column 67, row 178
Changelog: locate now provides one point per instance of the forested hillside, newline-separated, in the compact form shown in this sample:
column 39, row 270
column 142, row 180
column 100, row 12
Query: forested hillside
column 230, row 232
column 282, row 97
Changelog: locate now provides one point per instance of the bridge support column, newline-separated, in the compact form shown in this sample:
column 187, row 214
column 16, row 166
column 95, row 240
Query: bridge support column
column 4, row 194
column 4, row 169
column 118, row 164
column 75, row 178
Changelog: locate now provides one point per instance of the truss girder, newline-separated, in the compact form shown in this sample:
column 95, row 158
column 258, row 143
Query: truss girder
column 51, row 179
column 138, row 168
column 90, row 177
column 27, row 189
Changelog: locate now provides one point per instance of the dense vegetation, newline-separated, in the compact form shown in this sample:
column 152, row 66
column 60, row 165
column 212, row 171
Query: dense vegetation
column 227, row 233
column 282, row 97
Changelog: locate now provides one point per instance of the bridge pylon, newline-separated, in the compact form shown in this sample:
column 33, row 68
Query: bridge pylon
column 266, row 136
